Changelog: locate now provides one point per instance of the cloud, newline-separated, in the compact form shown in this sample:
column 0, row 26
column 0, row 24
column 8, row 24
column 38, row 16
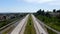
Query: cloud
column 37, row 1
column 8, row 10
column 49, row 2
column 56, row 2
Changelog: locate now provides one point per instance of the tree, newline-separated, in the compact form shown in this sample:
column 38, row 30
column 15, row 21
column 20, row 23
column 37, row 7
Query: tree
column 47, row 14
column 54, row 10
column 39, row 11
column 4, row 17
column 43, row 13
column 58, row 10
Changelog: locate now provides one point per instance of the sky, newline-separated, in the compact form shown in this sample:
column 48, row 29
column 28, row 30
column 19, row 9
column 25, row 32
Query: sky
column 16, row 6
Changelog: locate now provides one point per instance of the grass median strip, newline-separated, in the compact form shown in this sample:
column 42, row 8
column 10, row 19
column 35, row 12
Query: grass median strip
column 30, row 27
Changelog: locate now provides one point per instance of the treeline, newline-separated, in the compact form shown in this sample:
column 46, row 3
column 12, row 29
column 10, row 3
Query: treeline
column 54, row 10
column 48, row 13
column 50, row 18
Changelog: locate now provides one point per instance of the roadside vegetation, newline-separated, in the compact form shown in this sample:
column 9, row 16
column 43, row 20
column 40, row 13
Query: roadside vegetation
column 51, row 20
column 8, row 31
column 6, row 22
column 47, row 22
column 50, row 31
column 30, row 27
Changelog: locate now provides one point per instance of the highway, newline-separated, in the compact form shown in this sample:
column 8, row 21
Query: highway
column 9, row 27
column 38, row 27
column 19, row 27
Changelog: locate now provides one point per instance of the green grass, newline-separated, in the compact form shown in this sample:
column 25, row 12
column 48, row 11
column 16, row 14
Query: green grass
column 52, row 22
column 50, row 31
column 9, row 30
column 30, row 27
column 5, row 22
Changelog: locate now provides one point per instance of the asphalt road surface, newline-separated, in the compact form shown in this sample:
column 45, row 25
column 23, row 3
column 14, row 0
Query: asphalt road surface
column 19, row 27
column 38, row 27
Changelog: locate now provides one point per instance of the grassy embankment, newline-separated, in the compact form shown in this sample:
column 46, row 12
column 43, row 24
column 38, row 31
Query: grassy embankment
column 10, row 29
column 5, row 22
column 30, row 27
column 53, row 22
column 50, row 31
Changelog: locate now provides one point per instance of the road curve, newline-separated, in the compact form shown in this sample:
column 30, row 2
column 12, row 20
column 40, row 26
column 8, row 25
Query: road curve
column 38, row 27
column 19, row 27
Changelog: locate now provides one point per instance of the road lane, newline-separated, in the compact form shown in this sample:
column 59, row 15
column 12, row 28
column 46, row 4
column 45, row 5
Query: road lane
column 23, row 27
column 38, row 27
column 8, row 28
column 19, row 26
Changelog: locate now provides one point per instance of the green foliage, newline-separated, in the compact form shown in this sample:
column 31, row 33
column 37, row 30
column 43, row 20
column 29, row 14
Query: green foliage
column 50, row 31
column 30, row 27
column 52, row 22
column 5, row 22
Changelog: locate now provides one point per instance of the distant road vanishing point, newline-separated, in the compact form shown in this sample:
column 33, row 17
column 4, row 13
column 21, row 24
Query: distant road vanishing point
column 21, row 26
